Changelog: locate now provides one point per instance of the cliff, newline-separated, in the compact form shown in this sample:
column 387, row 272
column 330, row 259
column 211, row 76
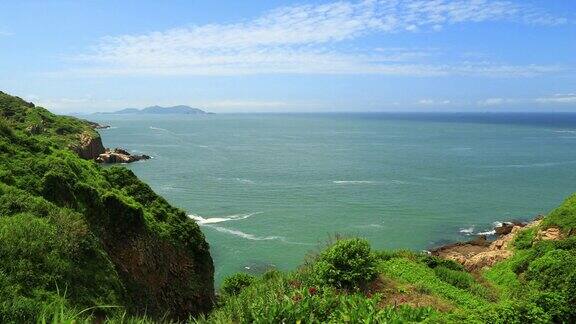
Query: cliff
column 80, row 236
column 89, row 146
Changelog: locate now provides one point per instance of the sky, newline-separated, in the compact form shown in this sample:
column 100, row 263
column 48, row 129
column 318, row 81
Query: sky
column 74, row 56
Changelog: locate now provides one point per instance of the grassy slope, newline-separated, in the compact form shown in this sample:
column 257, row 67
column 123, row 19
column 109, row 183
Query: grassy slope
column 74, row 234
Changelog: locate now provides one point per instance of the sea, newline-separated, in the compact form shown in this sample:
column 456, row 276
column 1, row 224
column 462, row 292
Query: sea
column 269, row 190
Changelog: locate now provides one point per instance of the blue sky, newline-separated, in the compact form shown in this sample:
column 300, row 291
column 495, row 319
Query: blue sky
column 283, row 56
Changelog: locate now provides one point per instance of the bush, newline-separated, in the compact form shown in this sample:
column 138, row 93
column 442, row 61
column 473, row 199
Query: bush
column 434, row 262
column 556, row 270
column 515, row 312
column 233, row 284
column 456, row 278
column 347, row 264
column 524, row 239
column 563, row 216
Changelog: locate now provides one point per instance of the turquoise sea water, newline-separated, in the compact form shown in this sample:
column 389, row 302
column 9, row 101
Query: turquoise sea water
column 268, row 188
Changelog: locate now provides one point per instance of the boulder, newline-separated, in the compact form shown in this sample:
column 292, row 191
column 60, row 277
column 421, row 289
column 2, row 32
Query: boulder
column 119, row 155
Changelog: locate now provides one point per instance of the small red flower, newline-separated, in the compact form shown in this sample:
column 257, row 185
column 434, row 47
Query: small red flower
column 312, row 290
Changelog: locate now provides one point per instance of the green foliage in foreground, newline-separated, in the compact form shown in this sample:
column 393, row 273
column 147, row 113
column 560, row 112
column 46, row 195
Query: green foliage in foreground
column 564, row 216
column 348, row 264
column 84, row 236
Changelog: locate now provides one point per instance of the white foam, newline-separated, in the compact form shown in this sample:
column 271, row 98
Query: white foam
column 565, row 131
column 213, row 220
column 158, row 128
column 246, row 235
column 533, row 165
column 244, row 180
column 467, row 231
column 492, row 232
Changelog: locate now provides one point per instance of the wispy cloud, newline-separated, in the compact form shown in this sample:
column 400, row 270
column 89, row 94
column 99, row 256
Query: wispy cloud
column 4, row 33
column 311, row 39
column 556, row 99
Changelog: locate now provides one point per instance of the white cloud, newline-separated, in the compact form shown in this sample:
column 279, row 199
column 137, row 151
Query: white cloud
column 5, row 33
column 568, row 98
column 309, row 39
column 89, row 103
column 556, row 99
column 434, row 102
column 246, row 104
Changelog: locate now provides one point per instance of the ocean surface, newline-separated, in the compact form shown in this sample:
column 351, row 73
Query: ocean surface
column 269, row 188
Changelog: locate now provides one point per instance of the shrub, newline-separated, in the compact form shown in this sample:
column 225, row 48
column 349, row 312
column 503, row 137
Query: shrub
column 555, row 270
column 347, row 264
column 563, row 216
column 524, row 239
column 456, row 278
column 233, row 284
column 515, row 312
column 434, row 262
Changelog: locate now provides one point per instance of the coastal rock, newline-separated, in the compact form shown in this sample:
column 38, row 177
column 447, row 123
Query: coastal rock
column 549, row 234
column 89, row 147
column 96, row 125
column 479, row 253
column 119, row 155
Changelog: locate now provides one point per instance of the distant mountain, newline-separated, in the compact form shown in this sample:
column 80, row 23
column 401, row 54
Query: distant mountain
column 186, row 110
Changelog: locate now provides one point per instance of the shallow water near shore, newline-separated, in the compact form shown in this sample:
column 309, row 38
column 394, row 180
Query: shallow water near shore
column 268, row 188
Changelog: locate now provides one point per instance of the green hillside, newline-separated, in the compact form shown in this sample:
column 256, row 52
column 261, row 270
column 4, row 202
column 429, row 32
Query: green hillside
column 75, row 234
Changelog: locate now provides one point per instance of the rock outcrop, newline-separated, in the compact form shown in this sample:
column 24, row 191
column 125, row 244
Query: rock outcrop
column 119, row 155
column 549, row 234
column 479, row 253
column 89, row 147
column 96, row 125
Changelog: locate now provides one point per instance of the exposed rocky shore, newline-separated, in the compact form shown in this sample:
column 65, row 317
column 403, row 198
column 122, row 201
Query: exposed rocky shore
column 481, row 252
column 119, row 155
column 90, row 147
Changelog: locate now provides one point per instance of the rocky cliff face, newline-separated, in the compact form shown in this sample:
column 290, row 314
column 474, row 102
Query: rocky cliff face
column 89, row 146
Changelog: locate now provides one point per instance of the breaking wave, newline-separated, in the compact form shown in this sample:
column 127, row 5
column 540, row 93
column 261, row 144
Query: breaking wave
column 213, row 220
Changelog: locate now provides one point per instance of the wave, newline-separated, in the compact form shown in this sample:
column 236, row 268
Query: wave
column 533, row 165
column 470, row 230
column 213, row 220
column 247, row 235
column 565, row 131
column 352, row 181
column 244, row 180
column 158, row 128
column 492, row 232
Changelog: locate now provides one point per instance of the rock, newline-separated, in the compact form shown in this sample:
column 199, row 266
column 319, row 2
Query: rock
column 480, row 253
column 119, row 155
column 96, row 125
column 480, row 240
column 90, row 147
column 486, row 259
column 506, row 227
column 549, row 234
column 121, row 151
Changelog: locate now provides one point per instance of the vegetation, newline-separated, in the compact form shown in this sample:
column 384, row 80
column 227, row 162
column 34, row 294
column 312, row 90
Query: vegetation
column 80, row 243
column 88, row 237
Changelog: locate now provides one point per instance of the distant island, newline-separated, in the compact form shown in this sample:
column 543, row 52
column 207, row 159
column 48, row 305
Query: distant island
column 181, row 109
